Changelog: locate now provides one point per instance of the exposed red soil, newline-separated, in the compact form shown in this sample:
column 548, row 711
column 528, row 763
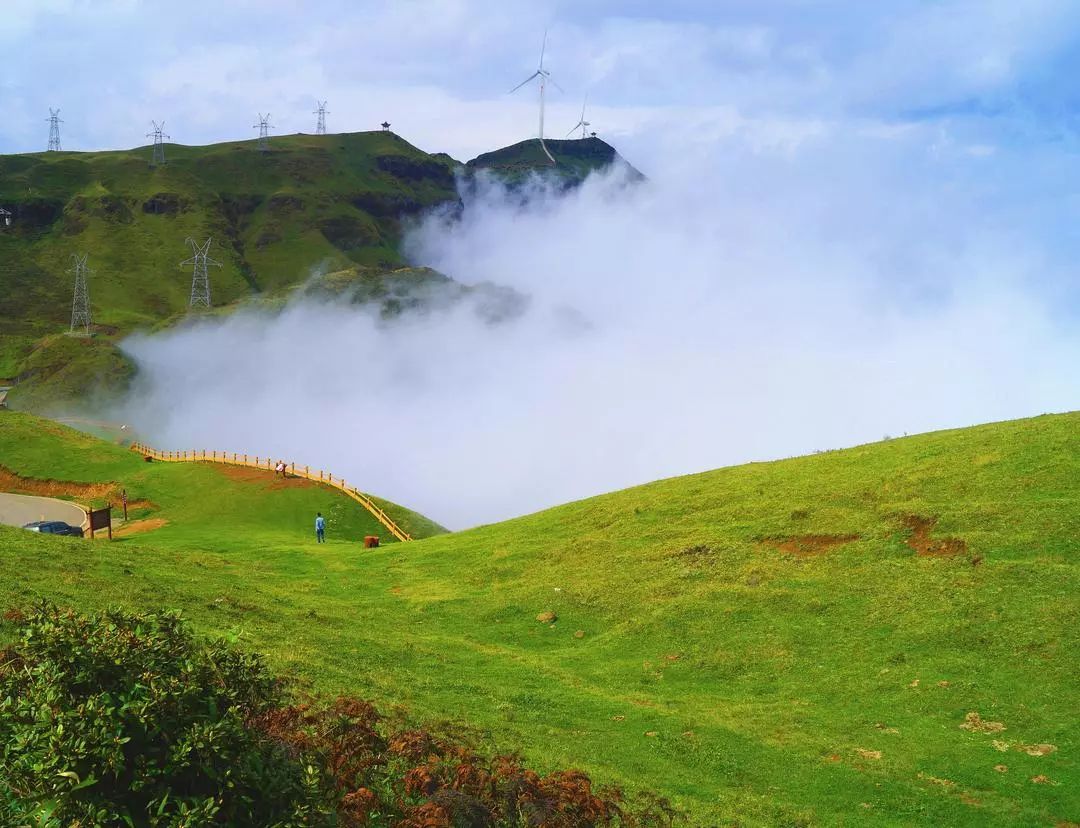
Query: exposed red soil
column 806, row 546
column 267, row 477
column 137, row 527
column 925, row 546
column 12, row 482
column 108, row 491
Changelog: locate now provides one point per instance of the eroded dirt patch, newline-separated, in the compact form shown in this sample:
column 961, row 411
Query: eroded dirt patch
column 137, row 527
column 12, row 482
column 977, row 724
column 925, row 546
column 264, row 477
column 806, row 546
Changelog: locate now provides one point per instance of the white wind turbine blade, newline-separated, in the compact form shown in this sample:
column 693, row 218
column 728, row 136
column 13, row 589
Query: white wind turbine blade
column 543, row 48
column 553, row 83
column 574, row 128
column 516, row 88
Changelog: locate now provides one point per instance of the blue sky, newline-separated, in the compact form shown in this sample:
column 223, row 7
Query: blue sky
column 862, row 219
column 966, row 100
column 990, row 74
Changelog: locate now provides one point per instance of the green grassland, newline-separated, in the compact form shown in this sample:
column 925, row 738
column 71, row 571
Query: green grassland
column 574, row 160
column 196, row 504
column 276, row 216
column 310, row 204
column 311, row 207
column 708, row 644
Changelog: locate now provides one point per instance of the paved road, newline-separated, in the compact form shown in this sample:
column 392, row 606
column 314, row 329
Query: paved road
column 17, row 510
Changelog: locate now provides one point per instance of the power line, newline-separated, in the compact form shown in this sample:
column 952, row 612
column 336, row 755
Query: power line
column 264, row 132
column 157, row 156
column 54, row 129
column 200, row 278
column 80, row 303
column 320, row 125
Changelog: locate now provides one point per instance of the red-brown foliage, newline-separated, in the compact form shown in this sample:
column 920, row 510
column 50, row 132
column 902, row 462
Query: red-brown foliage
column 414, row 779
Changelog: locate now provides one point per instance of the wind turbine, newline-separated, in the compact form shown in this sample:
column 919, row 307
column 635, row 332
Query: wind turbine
column 581, row 123
column 544, row 75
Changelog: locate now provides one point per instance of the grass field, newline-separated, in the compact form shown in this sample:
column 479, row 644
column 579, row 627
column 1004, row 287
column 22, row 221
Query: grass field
column 310, row 204
column 885, row 635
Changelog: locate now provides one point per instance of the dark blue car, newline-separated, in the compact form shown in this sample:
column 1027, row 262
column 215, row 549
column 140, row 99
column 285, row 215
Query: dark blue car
column 54, row 527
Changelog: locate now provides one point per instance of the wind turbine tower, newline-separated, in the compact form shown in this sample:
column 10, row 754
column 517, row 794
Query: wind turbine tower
column 544, row 76
column 158, row 156
column 54, row 129
column 320, row 125
column 581, row 123
column 80, row 303
column 200, row 278
column 264, row 132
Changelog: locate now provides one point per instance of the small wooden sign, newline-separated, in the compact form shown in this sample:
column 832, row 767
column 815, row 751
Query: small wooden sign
column 101, row 519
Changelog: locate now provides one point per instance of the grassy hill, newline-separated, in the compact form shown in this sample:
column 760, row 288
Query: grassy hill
column 275, row 216
column 885, row 635
column 311, row 206
column 312, row 203
column 574, row 160
column 183, row 505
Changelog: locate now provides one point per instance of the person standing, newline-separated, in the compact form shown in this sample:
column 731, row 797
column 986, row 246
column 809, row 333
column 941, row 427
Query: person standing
column 320, row 528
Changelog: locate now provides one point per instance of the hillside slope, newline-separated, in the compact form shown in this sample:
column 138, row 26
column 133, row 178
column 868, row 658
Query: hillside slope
column 183, row 505
column 575, row 160
column 886, row 635
column 330, row 200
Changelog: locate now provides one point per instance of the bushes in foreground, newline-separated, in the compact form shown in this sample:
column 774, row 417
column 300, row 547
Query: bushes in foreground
column 122, row 719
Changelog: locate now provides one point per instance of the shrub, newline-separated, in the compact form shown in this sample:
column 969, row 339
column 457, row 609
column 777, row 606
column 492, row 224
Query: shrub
column 123, row 719
column 129, row 720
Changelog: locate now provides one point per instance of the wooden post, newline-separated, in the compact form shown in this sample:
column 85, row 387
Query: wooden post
column 123, row 499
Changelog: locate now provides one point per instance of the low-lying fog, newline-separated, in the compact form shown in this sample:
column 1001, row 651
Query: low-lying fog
column 754, row 304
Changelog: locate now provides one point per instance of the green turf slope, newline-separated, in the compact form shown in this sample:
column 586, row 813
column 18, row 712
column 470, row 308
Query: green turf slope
column 187, row 506
column 692, row 654
column 575, row 160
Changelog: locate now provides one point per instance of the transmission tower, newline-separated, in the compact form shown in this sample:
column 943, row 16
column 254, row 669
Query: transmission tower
column 320, row 125
column 264, row 132
column 200, row 279
column 54, row 129
column 158, row 156
column 80, row 304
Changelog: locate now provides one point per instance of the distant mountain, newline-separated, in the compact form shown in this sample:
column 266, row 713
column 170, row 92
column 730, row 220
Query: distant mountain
column 574, row 160
column 334, row 204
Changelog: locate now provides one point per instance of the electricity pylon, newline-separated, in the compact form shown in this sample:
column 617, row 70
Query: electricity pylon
column 54, row 129
column 80, row 303
column 200, row 278
column 320, row 125
column 158, row 155
column 264, row 132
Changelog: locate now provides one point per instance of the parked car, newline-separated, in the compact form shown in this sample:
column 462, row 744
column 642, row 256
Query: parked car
column 54, row 527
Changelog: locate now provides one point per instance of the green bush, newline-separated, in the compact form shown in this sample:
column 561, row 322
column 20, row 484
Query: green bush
column 120, row 719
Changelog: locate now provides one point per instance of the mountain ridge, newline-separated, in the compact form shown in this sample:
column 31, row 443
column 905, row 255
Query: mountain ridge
column 311, row 203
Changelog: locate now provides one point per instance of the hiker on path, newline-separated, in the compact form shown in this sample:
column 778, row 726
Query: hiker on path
column 320, row 528
column 280, row 468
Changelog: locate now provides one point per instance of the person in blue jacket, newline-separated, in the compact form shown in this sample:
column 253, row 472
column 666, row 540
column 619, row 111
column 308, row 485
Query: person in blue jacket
column 320, row 528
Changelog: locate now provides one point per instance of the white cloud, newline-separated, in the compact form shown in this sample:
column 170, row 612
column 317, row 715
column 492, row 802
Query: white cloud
column 745, row 307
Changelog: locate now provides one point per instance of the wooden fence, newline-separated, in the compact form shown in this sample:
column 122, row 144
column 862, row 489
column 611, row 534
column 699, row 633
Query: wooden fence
column 257, row 462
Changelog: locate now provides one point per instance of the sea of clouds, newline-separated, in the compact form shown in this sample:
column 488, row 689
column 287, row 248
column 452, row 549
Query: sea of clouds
column 749, row 301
